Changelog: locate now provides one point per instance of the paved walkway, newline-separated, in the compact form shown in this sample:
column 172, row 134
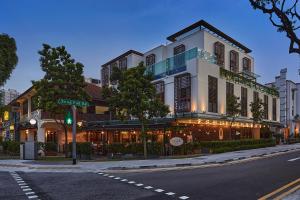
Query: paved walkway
column 30, row 166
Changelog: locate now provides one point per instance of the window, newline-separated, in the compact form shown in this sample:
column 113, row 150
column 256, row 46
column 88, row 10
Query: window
column 219, row 50
column 182, row 93
column 212, row 94
column 160, row 90
column 246, row 64
column 234, row 61
column 255, row 96
column 179, row 57
column 123, row 64
column 274, row 106
column 101, row 109
column 25, row 107
column 266, row 107
column 244, row 102
column 150, row 60
column 229, row 93
column 105, row 75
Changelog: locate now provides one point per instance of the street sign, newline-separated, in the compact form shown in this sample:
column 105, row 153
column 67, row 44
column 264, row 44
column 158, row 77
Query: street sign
column 72, row 102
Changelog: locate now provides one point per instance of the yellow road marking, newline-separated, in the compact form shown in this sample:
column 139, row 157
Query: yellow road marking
column 287, row 193
column 279, row 190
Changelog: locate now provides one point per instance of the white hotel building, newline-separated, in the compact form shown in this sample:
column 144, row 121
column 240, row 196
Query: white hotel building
column 194, row 73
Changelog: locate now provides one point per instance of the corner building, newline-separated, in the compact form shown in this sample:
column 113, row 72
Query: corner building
column 194, row 74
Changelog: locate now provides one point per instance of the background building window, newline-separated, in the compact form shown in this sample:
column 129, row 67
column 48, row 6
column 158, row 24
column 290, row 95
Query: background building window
column 246, row 64
column 179, row 57
column 274, row 106
column 182, row 93
column 219, row 50
column 160, row 90
column 212, row 94
column 123, row 64
column 150, row 60
column 101, row 109
column 229, row 93
column 105, row 75
column 266, row 107
column 234, row 61
column 244, row 102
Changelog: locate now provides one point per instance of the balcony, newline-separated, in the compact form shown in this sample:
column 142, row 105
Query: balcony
column 249, row 75
column 177, row 63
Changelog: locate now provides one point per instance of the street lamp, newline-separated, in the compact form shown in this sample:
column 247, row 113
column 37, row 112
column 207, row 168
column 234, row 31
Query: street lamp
column 32, row 121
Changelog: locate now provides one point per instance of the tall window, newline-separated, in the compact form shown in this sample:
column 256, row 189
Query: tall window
column 150, row 60
column 266, row 107
column 255, row 96
column 246, row 64
column 219, row 50
column 25, row 107
column 212, row 94
column 244, row 102
column 229, row 93
column 179, row 57
column 182, row 93
column 274, row 112
column 105, row 75
column 234, row 61
column 123, row 63
column 160, row 90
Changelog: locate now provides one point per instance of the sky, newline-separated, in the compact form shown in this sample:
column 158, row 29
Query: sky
column 95, row 31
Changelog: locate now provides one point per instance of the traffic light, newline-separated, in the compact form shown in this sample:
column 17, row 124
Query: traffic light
column 68, row 118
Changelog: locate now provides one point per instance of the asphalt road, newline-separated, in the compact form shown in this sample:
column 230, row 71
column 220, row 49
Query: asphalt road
column 249, row 180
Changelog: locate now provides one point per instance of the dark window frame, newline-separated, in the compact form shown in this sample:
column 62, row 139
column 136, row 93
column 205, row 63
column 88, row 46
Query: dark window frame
column 244, row 102
column 234, row 61
column 123, row 63
column 274, row 109
column 266, row 107
column 219, row 51
column 160, row 90
column 229, row 93
column 150, row 59
column 212, row 94
column 182, row 82
column 246, row 64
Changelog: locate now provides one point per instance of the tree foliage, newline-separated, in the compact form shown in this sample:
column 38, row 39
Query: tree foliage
column 284, row 16
column 233, row 109
column 63, row 79
column 257, row 110
column 134, row 96
column 8, row 57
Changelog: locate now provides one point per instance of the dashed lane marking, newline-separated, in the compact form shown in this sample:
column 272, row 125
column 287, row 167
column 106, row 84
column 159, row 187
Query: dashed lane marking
column 148, row 187
column 184, row 197
column 158, row 190
column 170, row 193
column 139, row 184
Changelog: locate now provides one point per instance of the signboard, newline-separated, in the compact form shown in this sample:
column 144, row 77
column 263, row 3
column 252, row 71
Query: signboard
column 6, row 116
column 176, row 141
column 72, row 102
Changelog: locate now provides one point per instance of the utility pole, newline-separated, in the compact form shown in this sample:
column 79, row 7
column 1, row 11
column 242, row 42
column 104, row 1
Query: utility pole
column 74, row 135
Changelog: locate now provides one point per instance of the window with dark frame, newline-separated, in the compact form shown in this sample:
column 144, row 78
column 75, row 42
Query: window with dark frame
column 25, row 107
column 229, row 93
column 123, row 63
column 179, row 57
column 219, row 50
column 274, row 106
column 246, row 64
column 160, row 90
column 182, row 93
column 212, row 94
column 150, row 59
column 244, row 102
column 105, row 75
column 266, row 107
column 234, row 61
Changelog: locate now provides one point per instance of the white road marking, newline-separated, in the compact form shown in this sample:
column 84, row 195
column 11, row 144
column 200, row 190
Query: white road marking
column 170, row 193
column 131, row 182
column 294, row 159
column 124, row 180
column 148, row 187
column 22, row 184
column 117, row 178
column 20, row 181
column 111, row 176
column 25, row 186
column 27, row 189
column 32, row 197
column 158, row 190
column 100, row 173
column 184, row 197
column 139, row 185
column 105, row 174
column 28, row 193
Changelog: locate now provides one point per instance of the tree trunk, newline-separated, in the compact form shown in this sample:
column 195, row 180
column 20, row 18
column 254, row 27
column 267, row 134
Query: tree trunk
column 66, row 141
column 144, row 140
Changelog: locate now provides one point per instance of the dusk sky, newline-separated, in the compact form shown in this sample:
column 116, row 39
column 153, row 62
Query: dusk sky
column 95, row 31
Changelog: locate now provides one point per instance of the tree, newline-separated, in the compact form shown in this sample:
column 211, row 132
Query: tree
column 63, row 79
column 257, row 110
column 134, row 96
column 284, row 16
column 8, row 57
column 233, row 110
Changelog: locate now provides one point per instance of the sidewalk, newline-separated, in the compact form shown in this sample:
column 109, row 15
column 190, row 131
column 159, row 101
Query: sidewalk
column 31, row 166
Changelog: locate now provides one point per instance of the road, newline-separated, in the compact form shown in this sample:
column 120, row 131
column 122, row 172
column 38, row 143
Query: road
column 248, row 180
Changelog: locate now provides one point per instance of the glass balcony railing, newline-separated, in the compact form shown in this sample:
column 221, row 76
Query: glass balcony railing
column 177, row 63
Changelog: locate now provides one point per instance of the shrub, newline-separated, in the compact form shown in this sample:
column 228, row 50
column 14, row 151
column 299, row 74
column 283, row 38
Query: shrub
column 50, row 146
column 11, row 147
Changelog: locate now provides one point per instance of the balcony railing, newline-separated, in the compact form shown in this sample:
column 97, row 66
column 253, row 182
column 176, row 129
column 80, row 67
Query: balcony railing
column 177, row 63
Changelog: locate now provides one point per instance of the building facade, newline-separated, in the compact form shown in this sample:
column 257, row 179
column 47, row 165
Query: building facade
column 194, row 74
column 8, row 95
column 289, row 93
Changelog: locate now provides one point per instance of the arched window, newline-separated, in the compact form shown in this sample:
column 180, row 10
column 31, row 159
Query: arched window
column 219, row 50
column 246, row 64
column 234, row 61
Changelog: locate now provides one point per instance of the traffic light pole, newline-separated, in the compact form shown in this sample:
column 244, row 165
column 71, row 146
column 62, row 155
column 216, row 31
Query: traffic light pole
column 74, row 136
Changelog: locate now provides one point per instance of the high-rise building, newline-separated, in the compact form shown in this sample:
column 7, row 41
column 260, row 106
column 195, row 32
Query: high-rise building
column 8, row 95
